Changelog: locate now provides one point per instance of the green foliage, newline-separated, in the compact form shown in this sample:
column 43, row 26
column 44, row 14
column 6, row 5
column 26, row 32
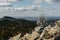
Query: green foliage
column 9, row 28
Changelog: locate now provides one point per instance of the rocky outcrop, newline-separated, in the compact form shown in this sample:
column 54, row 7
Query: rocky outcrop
column 49, row 33
column 15, row 37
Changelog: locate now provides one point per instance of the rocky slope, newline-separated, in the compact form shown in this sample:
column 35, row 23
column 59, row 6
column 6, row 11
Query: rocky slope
column 49, row 33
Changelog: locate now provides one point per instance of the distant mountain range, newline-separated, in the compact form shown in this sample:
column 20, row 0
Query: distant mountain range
column 36, row 18
column 31, row 18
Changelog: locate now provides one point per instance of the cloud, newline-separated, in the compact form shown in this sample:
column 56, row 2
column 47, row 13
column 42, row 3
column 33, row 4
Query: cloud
column 8, row 0
column 31, row 7
column 49, row 1
column 37, row 1
column 4, row 4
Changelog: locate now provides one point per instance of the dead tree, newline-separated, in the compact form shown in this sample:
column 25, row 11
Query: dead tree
column 41, row 23
column 41, row 20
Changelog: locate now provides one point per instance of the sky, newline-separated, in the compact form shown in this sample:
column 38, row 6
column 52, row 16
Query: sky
column 30, row 8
